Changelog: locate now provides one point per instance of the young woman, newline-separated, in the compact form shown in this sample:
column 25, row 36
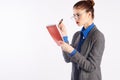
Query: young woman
column 87, row 46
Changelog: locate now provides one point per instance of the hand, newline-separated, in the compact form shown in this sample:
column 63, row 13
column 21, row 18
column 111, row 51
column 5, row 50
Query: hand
column 62, row 28
column 66, row 47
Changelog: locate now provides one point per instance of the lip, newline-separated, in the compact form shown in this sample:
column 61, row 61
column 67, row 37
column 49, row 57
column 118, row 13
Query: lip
column 77, row 22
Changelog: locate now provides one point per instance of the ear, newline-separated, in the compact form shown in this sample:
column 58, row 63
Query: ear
column 89, row 14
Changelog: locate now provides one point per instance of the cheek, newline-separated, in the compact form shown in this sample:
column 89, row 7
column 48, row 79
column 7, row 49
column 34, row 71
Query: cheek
column 82, row 20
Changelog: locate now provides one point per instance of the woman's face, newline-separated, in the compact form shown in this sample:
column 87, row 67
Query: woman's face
column 81, row 16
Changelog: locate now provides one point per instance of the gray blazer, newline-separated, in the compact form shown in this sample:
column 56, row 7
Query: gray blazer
column 86, row 64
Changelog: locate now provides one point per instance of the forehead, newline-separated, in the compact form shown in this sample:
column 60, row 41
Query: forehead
column 78, row 10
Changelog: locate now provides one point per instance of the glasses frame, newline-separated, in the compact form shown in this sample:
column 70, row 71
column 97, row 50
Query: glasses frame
column 78, row 15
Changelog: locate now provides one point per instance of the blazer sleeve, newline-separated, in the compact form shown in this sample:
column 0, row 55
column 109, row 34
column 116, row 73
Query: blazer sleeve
column 65, row 54
column 93, row 60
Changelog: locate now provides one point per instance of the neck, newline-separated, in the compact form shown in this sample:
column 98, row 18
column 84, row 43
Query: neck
column 88, row 24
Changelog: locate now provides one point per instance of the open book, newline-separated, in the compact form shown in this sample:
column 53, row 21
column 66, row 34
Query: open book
column 54, row 32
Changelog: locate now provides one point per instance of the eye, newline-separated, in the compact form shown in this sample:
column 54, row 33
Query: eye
column 78, row 15
column 74, row 15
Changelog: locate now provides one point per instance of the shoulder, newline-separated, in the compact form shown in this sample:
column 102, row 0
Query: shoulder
column 97, row 34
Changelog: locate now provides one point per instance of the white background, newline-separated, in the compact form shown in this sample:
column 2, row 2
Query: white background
column 27, row 52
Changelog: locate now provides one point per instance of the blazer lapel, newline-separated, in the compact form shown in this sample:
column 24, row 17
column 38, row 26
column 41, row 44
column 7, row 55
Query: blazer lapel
column 77, row 40
column 86, row 45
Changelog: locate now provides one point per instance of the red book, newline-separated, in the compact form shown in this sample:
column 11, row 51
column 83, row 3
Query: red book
column 54, row 32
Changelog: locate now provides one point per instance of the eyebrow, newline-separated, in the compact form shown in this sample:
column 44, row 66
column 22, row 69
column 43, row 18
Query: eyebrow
column 77, row 14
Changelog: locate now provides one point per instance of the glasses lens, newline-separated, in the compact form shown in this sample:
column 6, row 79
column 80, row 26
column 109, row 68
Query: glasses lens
column 76, row 16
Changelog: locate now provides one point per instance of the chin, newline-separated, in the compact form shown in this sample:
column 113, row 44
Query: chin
column 79, row 25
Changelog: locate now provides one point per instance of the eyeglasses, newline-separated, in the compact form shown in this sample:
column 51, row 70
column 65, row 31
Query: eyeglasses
column 77, row 15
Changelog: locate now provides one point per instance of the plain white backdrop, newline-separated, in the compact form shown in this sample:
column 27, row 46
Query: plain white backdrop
column 27, row 52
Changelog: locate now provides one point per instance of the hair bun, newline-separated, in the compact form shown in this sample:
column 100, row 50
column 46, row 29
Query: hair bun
column 91, row 2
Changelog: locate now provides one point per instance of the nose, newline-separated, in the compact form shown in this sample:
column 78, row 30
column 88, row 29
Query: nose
column 76, row 18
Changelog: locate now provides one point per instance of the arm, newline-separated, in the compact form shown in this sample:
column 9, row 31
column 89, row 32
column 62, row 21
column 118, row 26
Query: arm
column 63, row 31
column 66, row 55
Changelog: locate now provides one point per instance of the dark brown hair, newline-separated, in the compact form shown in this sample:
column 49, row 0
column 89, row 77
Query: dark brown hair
column 85, row 4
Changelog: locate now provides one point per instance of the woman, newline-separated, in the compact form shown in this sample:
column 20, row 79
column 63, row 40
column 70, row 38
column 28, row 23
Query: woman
column 86, row 50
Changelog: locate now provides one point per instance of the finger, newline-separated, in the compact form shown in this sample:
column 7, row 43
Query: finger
column 59, row 25
column 60, row 43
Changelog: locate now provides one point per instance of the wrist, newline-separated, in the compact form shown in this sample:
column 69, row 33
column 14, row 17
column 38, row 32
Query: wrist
column 73, row 53
column 65, row 38
column 64, row 35
column 70, row 50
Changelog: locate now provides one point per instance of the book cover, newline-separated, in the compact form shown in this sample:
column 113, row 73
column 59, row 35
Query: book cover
column 54, row 32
